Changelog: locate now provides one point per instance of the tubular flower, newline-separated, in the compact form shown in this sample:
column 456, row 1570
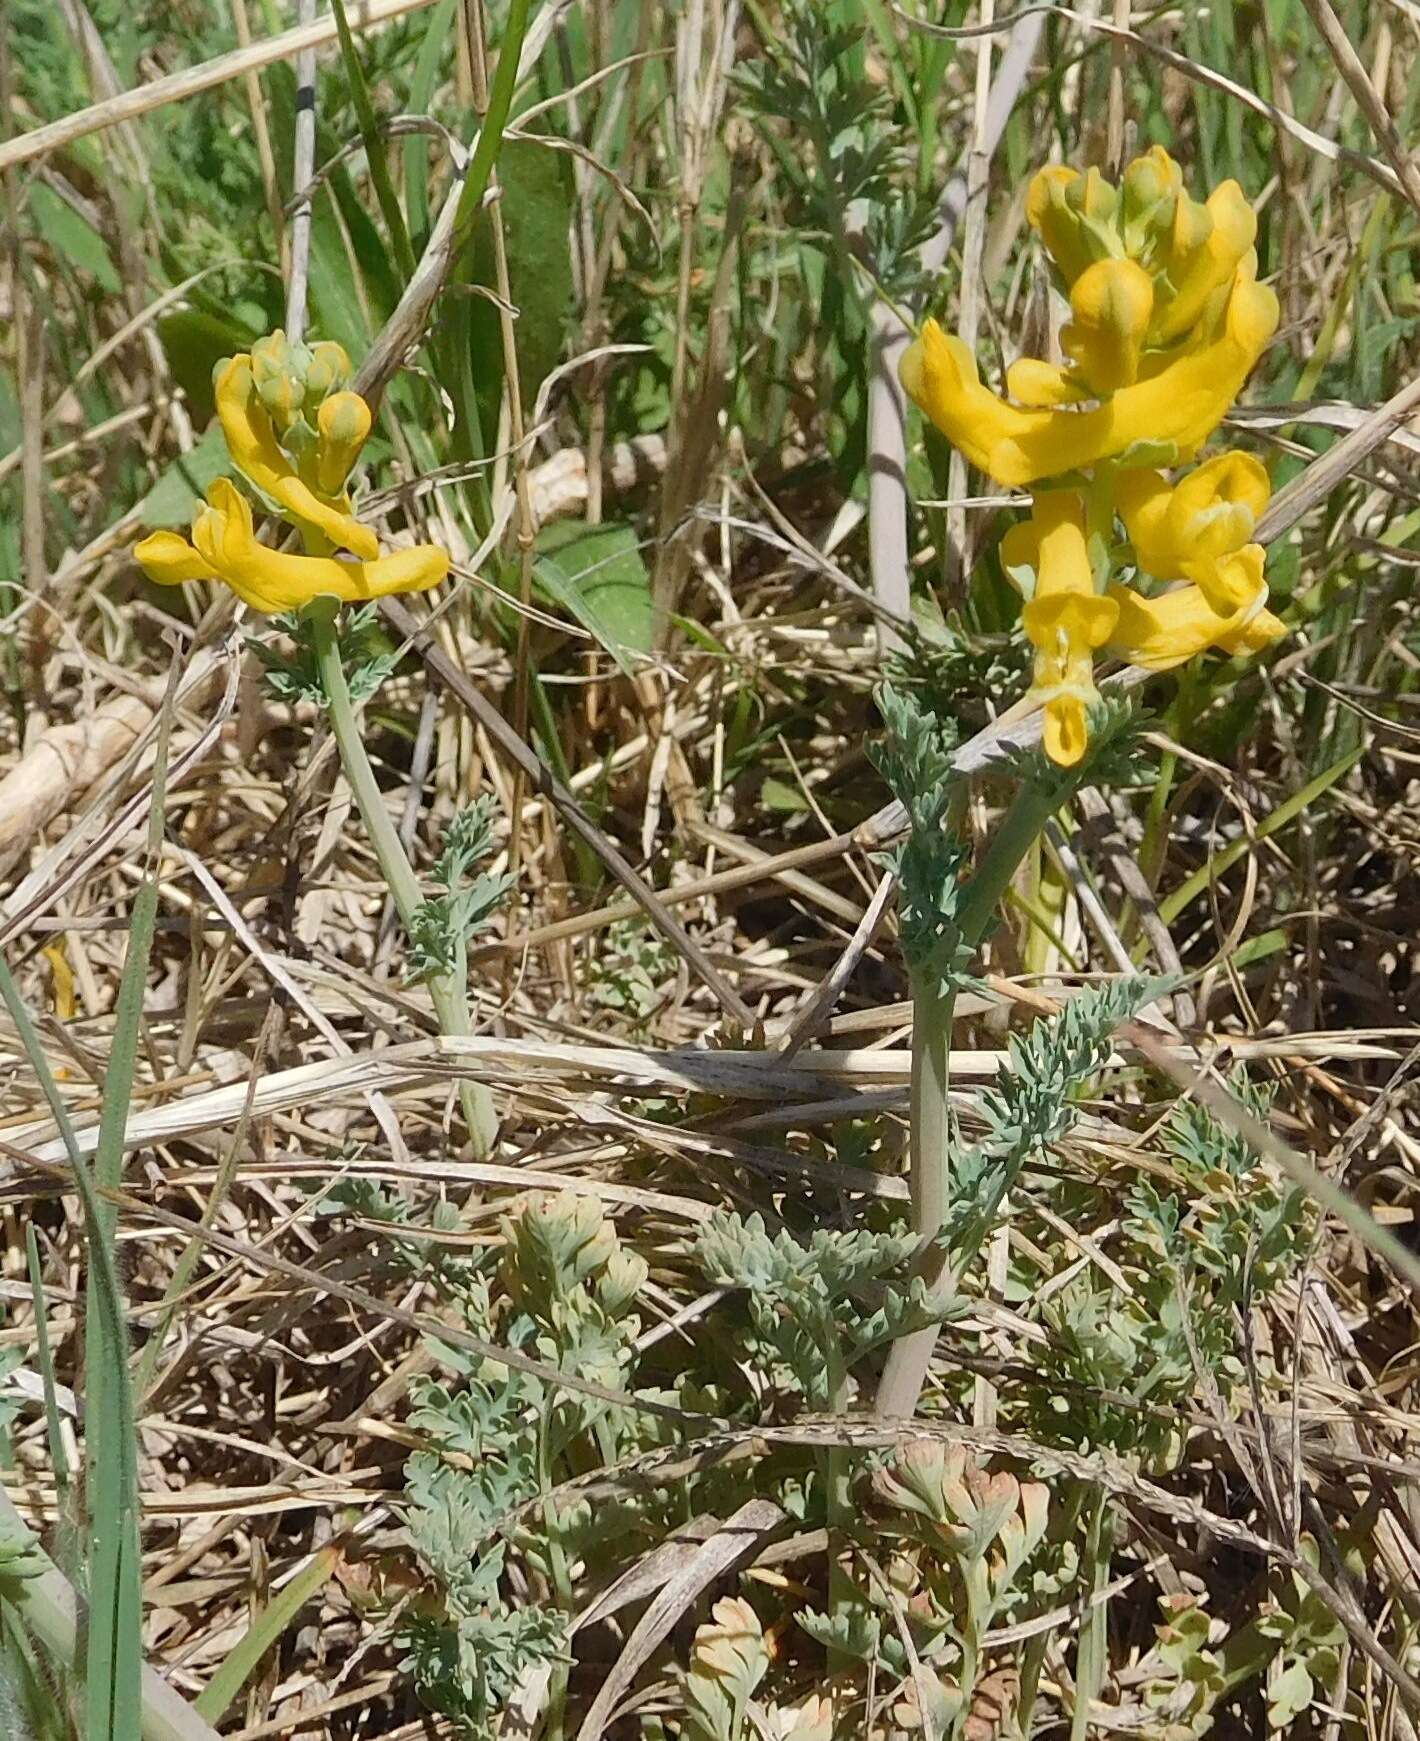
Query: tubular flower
column 1164, row 631
column 1065, row 619
column 1168, row 320
column 246, row 388
column 224, row 547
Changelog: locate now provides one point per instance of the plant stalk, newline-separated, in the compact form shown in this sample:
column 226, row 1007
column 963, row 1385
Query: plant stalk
column 933, row 1003
column 1092, row 1657
column 448, row 991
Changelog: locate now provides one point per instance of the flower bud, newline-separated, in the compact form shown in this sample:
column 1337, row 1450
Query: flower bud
column 1150, row 190
column 328, row 371
column 1074, row 217
column 278, row 370
column 344, row 424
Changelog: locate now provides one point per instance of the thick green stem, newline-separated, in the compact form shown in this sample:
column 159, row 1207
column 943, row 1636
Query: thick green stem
column 448, row 991
column 905, row 1371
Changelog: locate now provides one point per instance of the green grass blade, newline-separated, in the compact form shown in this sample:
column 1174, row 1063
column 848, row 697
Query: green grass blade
column 1220, row 863
column 374, row 146
column 265, row 1629
column 45, row 1361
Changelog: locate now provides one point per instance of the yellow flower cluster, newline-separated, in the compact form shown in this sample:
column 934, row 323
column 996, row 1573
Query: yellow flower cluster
column 1167, row 321
column 294, row 430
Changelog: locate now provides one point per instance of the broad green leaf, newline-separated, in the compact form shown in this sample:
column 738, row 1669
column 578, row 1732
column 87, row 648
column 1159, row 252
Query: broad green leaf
column 195, row 341
column 169, row 505
column 596, row 573
column 537, row 193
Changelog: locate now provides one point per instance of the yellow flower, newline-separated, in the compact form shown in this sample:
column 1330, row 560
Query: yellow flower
column 344, row 424
column 1161, row 632
column 1180, row 400
column 1198, row 528
column 224, row 547
column 1064, row 617
column 252, row 442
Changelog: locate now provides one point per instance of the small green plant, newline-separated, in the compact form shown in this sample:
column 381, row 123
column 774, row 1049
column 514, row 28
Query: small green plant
column 566, row 1291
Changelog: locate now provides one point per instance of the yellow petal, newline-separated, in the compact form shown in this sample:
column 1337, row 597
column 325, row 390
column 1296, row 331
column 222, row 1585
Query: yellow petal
column 1255, row 636
column 940, row 374
column 1181, row 405
column 1019, row 551
column 1043, row 385
column 272, row 581
column 1216, row 506
column 1112, row 302
column 1230, row 583
column 1076, row 622
column 170, row 560
column 252, row 442
column 1203, row 259
column 1059, row 517
column 1066, row 734
column 1142, row 498
column 1161, row 632
column 1158, row 633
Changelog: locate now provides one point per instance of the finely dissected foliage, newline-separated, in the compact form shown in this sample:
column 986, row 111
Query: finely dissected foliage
column 560, row 486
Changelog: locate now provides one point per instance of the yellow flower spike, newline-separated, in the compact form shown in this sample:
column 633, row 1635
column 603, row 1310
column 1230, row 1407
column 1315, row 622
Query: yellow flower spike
column 1065, row 620
column 1204, row 255
column 252, row 442
column 344, row 425
column 169, row 559
column 1210, row 514
column 272, row 581
column 1112, row 302
column 1180, row 405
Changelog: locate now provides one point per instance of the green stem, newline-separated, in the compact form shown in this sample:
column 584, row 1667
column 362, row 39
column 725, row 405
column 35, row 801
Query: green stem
column 838, row 1494
column 1093, row 1654
column 933, row 1002
column 1036, row 1647
column 449, row 992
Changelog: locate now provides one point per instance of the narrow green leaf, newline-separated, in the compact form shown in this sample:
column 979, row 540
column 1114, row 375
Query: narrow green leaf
column 1220, row 863
column 245, row 1656
column 374, row 145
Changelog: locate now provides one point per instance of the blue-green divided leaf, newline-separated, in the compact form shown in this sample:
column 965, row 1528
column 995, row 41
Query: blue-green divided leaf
column 597, row 574
column 169, row 505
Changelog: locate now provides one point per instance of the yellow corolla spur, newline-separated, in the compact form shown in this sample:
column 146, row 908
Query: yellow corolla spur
column 1167, row 320
column 294, row 430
